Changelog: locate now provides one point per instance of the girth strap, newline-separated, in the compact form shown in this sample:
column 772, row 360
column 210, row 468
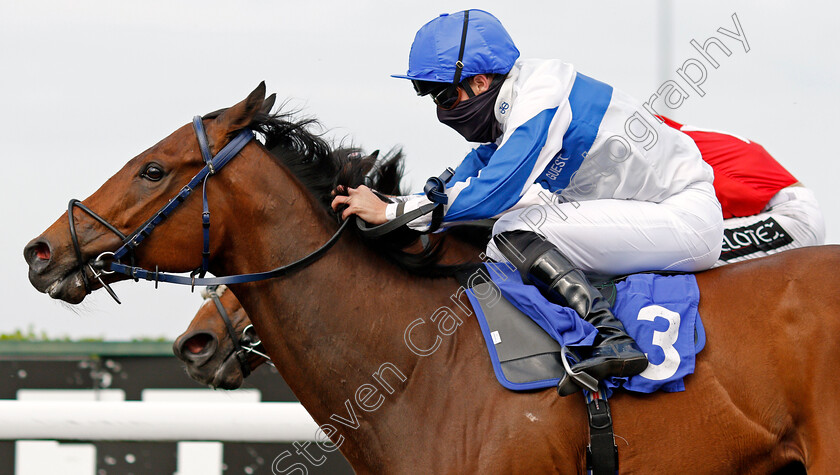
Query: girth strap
column 602, row 453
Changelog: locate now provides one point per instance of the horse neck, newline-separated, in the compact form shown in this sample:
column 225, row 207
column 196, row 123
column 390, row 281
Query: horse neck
column 332, row 325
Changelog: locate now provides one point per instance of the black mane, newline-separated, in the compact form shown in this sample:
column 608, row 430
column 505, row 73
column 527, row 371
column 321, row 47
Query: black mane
column 321, row 169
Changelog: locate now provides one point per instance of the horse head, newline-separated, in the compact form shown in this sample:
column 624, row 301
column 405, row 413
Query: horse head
column 65, row 269
column 213, row 353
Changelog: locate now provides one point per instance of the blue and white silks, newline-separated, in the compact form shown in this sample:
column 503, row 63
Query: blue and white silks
column 570, row 135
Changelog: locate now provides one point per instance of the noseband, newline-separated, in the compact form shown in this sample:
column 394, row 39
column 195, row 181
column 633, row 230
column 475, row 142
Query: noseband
column 247, row 342
column 97, row 274
column 109, row 262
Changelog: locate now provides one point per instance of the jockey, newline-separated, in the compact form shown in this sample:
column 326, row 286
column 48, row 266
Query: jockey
column 581, row 180
column 765, row 209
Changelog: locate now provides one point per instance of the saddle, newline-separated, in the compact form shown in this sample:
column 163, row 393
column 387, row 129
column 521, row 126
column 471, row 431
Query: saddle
column 527, row 356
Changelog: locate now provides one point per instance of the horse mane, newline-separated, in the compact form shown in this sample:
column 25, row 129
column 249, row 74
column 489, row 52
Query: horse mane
column 321, row 169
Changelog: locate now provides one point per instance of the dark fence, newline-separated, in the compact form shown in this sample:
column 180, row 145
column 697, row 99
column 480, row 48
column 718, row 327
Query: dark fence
column 108, row 370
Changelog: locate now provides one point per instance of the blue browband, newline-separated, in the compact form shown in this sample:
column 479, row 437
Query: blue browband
column 213, row 165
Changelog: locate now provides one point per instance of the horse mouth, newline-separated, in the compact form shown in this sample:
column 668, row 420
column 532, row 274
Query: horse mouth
column 68, row 287
column 228, row 375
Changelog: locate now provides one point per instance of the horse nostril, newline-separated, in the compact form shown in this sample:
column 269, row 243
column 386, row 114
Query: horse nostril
column 197, row 347
column 37, row 253
column 197, row 344
column 42, row 251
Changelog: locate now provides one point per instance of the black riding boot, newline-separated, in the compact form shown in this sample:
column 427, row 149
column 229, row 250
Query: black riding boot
column 614, row 352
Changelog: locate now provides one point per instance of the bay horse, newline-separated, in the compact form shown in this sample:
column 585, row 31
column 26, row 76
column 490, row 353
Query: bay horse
column 209, row 350
column 355, row 336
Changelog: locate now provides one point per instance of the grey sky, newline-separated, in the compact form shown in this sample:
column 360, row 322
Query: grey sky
column 86, row 85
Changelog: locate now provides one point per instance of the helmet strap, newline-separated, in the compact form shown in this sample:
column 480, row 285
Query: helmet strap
column 465, row 85
column 459, row 65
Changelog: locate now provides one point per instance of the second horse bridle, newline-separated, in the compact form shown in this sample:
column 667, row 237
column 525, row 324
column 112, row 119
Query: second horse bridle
column 244, row 343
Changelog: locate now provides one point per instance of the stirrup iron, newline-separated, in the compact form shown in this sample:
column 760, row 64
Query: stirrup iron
column 581, row 378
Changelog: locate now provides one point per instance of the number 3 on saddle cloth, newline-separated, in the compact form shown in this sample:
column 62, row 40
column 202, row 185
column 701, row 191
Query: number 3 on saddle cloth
column 525, row 332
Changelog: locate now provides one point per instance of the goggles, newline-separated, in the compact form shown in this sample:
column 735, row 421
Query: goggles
column 445, row 95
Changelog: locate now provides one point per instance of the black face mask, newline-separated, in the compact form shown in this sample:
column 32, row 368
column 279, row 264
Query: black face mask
column 474, row 118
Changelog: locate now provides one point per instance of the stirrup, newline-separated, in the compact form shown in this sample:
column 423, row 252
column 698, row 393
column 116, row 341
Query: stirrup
column 566, row 386
column 574, row 381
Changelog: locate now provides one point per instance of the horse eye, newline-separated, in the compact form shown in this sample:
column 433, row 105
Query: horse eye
column 152, row 172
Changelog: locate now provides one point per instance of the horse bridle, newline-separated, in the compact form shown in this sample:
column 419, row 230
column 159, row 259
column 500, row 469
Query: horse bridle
column 247, row 342
column 109, row 262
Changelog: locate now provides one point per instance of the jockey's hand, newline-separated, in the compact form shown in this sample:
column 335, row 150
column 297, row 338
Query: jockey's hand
column 361, row 202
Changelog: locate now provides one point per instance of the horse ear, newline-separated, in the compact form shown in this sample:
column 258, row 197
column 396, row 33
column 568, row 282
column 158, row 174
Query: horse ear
column 240, row 116
column 374, row 155
column 268, row 103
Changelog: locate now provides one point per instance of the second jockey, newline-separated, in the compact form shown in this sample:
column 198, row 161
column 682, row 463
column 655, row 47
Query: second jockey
column 765, row 209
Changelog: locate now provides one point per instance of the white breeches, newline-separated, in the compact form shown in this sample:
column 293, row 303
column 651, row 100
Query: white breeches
column 615, row 237
column 798, row 223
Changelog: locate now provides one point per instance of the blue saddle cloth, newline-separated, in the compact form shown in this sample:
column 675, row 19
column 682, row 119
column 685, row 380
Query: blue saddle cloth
column 658, row 311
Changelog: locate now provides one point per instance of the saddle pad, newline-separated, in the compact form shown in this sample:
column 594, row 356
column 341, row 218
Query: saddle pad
column 524, row 356
column 659, row 312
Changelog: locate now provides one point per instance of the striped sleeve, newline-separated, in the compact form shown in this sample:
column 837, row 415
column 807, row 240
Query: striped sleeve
column 489, row 180
column 499, row 184
column 473, row 163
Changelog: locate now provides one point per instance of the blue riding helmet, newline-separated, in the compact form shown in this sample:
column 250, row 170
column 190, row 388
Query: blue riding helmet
column 488, row 48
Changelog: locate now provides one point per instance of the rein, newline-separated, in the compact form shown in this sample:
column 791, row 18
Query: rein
column 435, row 192
column 213, row 164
